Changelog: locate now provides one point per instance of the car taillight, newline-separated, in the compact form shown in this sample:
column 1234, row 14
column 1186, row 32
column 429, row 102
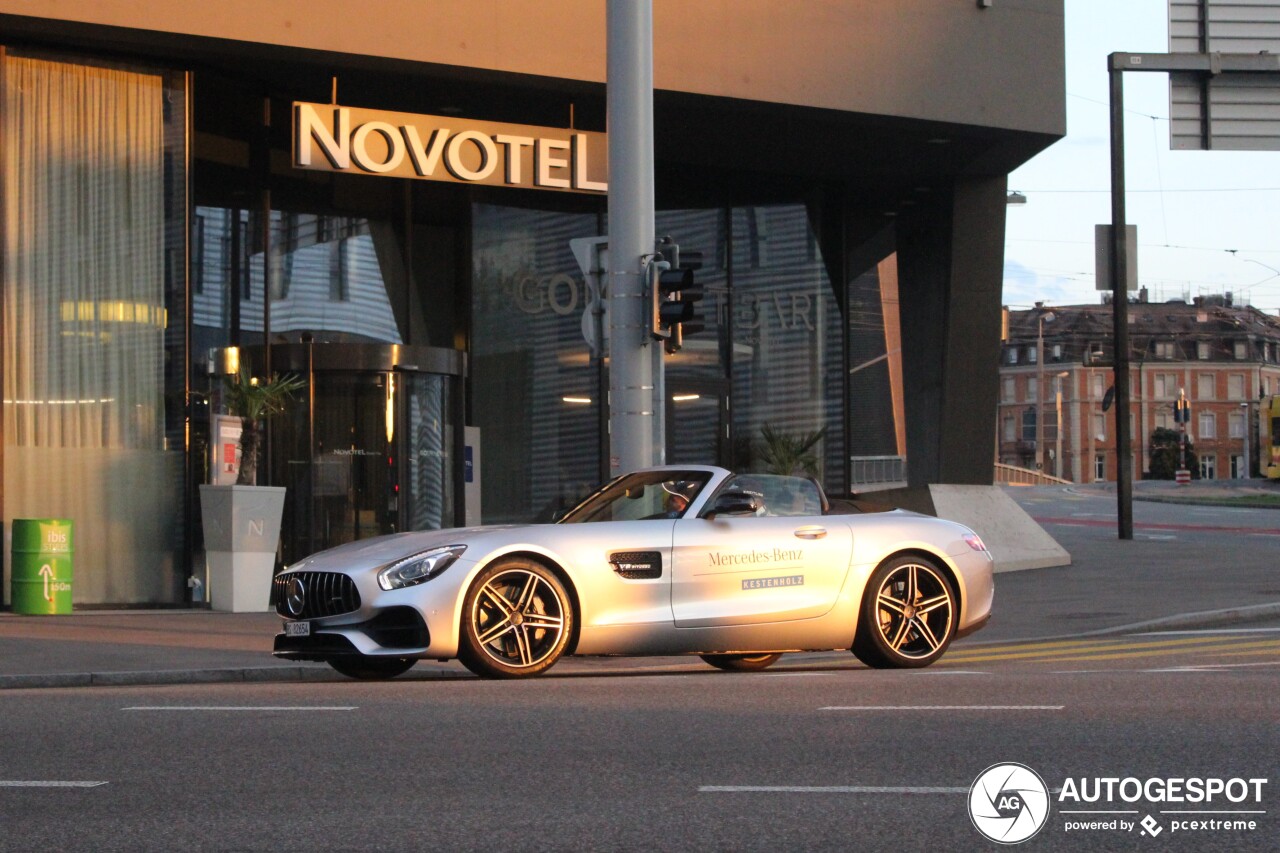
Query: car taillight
column 974, row 541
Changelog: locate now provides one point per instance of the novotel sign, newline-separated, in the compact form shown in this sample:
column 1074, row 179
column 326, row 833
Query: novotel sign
column 331, row 138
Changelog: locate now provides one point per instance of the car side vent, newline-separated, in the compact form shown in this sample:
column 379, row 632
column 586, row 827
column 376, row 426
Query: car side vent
column 637, row 565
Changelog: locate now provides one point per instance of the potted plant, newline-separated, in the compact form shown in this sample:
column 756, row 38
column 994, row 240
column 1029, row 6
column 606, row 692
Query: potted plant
column 790, row 455
column 242, row 522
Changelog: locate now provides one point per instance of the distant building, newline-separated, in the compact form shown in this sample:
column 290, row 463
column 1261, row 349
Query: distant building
column 1056, row 362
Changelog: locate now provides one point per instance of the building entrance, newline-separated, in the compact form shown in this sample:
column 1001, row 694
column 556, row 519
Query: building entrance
column 374, row 446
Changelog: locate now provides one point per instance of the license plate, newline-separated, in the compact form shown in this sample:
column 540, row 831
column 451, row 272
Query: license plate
column 297, row 629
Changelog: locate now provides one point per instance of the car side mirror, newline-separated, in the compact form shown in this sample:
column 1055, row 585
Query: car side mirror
column 735, row 504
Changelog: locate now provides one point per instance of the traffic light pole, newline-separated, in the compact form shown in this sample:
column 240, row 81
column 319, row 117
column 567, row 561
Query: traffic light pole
column 1120, row 310
column 635, row 367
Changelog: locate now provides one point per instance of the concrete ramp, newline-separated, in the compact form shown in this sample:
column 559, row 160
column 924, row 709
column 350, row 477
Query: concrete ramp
column 1013, row 537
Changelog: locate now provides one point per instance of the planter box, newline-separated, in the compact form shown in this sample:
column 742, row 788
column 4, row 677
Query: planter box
column 241, row 532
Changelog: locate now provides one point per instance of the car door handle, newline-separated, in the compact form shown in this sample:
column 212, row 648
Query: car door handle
column 811, row 533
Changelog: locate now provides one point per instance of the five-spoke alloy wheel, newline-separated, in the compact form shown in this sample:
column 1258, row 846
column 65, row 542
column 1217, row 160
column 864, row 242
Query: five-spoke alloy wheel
column 517, row 619
column 908, row 615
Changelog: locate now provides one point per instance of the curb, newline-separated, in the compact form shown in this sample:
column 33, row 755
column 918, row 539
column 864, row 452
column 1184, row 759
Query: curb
column 1199, row 619
column 285, row 674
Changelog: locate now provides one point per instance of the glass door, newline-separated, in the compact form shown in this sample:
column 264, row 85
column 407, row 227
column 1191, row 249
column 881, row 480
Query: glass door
column 697, row 422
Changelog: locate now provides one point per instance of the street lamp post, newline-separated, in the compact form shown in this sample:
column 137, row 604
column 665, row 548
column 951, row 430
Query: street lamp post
column 1058, row 404
column 1047, row 317
column 1247, row 470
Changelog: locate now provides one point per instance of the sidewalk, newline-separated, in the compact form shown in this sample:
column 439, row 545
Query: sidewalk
column 1109, row 587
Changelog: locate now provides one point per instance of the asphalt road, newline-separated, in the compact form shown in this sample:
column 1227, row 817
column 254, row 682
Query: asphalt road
column 816, row 754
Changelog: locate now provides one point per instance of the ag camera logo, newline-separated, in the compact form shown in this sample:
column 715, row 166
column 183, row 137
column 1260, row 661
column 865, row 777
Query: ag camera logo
column 1008, row 803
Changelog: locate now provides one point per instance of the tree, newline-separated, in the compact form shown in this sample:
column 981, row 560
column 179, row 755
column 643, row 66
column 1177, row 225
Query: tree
column 1166, row 452
column 253, row 401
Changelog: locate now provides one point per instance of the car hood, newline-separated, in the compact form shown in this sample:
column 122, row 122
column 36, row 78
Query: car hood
column 380, row 550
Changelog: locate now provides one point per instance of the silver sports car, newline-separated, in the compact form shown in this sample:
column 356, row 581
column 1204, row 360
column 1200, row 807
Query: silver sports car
column 736, row 568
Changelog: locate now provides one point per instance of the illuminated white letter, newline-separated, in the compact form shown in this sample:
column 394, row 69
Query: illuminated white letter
column 335, row 146
column 488, row 156
column 424, row 161
column 580, row 180
column 545, row 162
column 360, row 154
column 515, row 153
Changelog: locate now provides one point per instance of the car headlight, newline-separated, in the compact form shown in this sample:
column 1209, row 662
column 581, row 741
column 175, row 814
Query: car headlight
column 419, row 568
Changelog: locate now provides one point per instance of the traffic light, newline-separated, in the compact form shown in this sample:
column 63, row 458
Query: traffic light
column 674, row 294
column 1182, row 411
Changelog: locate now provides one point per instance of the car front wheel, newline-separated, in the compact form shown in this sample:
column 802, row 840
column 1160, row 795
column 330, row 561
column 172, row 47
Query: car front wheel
column 742, row 663
column 908, row 615
column 516, row 621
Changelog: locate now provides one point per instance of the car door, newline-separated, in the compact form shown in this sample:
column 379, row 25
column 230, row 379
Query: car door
column 757, row 569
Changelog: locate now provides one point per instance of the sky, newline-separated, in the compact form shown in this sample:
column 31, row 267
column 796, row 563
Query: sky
column 1208, row 221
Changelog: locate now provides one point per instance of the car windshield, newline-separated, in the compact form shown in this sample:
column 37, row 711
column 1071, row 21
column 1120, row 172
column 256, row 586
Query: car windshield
column 643, row 495
column 786, row 496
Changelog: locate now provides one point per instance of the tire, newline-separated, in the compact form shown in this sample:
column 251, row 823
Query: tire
column 742, row 663
column 516, row 621
column 368, row 668
column 908, row 616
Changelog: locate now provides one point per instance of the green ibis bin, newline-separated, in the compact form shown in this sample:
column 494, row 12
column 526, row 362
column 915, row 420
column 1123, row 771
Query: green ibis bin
column 42, row 549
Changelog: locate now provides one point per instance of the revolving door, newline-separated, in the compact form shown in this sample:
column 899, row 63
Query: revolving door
column 375, row 446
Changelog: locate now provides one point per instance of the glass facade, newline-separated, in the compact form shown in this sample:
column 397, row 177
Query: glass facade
column 94, row 177
column 110, row 269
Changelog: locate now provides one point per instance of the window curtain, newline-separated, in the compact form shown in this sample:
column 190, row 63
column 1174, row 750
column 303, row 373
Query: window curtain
column 84, row 321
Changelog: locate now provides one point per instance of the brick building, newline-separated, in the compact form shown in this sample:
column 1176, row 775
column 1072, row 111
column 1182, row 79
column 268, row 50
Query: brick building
column 1055, row 368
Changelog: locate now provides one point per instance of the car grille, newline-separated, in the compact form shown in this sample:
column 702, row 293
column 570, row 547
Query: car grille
column 327, row 594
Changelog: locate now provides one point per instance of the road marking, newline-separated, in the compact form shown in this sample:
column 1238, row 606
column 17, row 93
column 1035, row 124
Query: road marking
column 241, row 708
column 825, row 789
column 950, row 672
column 12, row 784
column 1084, row 649
column 1210, row 631
column 1123, row 652
column 943, row 708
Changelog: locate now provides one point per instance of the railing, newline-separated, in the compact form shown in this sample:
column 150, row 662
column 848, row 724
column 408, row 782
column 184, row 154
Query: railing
column 1009, row 475
column 865, row 470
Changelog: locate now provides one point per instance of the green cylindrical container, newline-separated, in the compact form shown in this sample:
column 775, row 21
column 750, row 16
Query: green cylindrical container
column 42, row 549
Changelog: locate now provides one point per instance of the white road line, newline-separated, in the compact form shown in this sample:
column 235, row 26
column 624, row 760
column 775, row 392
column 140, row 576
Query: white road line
column 241, row 708
column 943, row 708
column 1210, row 631
column 11, row 784
column 824, row 789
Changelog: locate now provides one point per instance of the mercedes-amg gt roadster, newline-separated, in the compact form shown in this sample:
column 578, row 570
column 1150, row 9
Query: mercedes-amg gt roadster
column 676, row 560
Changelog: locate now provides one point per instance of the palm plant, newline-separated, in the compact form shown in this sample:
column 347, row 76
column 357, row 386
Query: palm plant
column 253, row 401
column 789, row 455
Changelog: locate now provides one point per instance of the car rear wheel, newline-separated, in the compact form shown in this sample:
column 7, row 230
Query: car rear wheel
column 516, row 621
column 742, row 663
column 371, row 668
column 908, row 615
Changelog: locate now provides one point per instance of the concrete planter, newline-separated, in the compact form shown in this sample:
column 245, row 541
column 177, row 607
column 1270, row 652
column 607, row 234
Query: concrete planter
column 241, row 531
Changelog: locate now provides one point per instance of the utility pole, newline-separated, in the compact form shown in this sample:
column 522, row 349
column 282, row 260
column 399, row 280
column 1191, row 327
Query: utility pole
column 635, row 369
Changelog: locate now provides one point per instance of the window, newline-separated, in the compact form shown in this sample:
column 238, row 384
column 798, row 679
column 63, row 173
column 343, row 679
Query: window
column 1008, row 391
column 1010, row 429
column 1033, row 355
column 1029, row 425
column 1011, row 355
column 1100, row 426
column 1202, row 350
column 1206, row 386
column 1033, row 388
column 1235, row 425
column 1164, row 418
column 1208, row 426
column 1099, row 386
column 1100, row 466
column 1241, row 350
column 1235, row 386
column 1057, row 352
column 1166, row 385
column 1208, row 467
column 1165, row 349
